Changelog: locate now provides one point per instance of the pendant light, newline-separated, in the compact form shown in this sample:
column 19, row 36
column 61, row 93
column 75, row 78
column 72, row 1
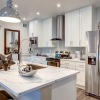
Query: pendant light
column 9, row 14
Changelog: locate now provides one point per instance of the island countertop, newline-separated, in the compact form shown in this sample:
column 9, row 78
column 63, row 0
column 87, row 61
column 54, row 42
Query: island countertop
column 18, row 85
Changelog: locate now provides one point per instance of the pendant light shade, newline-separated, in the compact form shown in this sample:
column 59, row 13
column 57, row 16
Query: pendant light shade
column 9, row 14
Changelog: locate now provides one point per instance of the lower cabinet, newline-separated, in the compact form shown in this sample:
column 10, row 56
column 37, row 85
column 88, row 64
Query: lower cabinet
column 81, row 76
column 75, row 65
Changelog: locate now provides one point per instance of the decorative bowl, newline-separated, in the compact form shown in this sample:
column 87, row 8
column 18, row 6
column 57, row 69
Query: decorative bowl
column 25, row 70
column 28, row 74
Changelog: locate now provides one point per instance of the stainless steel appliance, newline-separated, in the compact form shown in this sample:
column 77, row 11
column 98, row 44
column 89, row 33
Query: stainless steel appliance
column 60, row 34
column 34, row 41
column 53, row 62
column 78, row 55
column 62, row 54
column 92, row 84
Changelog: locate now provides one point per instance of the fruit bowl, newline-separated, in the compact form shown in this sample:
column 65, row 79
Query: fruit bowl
column 27, row 71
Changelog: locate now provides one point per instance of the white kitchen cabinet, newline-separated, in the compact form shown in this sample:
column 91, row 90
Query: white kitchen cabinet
column 68, row 29
column 85, row 23
column 44, row 30
column 81, row 75
column 72, row 28
column 67, row 64
column 31, row 29
column 75, row 65
column 75, row 28
column 35, row 30
column 77, row 23
column 48, row 31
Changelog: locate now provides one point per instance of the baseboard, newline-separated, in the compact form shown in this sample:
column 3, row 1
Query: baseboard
column 82, row 87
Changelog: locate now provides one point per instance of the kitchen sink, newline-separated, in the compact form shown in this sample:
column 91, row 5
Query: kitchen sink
column 35, row 67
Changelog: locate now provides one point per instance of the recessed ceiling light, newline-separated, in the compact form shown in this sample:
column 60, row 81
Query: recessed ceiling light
column 24, row 18
column 16, row 6
column 38, row 13
column 58, row 5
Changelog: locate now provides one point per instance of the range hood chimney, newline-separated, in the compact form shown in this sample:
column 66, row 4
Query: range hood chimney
column 60, row 31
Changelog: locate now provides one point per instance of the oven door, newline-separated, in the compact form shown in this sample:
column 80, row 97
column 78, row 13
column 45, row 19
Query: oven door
column 53, row 63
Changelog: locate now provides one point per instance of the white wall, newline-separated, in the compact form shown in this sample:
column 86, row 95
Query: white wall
column 24, row 34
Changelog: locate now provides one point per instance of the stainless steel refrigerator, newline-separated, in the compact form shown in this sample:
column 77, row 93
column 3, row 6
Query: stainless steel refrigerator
column 92, row 82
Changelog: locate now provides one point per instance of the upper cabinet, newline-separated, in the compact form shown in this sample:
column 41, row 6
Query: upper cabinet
column 33, row 28
column 44, row 30
column 49, row 28
column 36, row 30
column 86, row 23
column 72, row 28
column 77, row 23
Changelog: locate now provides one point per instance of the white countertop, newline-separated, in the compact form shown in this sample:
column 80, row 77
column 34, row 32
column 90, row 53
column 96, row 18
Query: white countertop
column 18, row 85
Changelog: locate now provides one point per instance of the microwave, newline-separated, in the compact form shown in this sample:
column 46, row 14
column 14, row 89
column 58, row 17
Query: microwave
column 34, row 40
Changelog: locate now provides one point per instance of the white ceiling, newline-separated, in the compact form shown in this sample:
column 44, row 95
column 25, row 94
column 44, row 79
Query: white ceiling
column 48, row 8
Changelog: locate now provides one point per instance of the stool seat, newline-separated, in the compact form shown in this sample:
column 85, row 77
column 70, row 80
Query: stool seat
column 4, row 95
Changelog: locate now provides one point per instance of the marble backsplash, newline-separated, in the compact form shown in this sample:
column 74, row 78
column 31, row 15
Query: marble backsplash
column 60, row 46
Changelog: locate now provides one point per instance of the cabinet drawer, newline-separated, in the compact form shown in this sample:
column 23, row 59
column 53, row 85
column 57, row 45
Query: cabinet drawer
column 71, row 63
column 71, row 67
column 80, row 68
column 79, row 64
column 63, row 66
column 63, row 62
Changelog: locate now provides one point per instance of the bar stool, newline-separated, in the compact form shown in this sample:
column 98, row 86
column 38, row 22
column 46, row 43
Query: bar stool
column 4, row 95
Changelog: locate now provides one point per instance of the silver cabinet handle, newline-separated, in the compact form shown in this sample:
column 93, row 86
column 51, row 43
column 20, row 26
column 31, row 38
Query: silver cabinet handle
column 81, row 65
column 80, row 42
column 98, row 58
column 46, row 43
column 72, row 43
column 66, row 63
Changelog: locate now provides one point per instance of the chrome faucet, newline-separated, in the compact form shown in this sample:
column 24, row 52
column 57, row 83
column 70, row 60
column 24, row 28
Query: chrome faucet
column 20, row 52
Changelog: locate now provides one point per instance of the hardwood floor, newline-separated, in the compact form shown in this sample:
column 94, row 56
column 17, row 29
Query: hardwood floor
column 81, row 95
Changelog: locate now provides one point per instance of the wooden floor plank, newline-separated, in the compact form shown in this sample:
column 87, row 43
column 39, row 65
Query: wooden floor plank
column 81, row 95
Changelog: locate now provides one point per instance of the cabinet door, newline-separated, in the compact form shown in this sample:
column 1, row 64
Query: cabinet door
column 40, row 33
column 85, row 23
column 81, row 76
column 68, row 29
column 75, row 28
column 47, row 32
column 33, row 28
column 50, row 32
column 35, row 24
column 30, row 29
column 44, row 33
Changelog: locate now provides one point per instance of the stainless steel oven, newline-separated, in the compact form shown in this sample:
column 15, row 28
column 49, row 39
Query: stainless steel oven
column 53, row 62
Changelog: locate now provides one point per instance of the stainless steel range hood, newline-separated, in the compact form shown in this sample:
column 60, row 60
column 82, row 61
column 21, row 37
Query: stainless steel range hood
column 60, row 20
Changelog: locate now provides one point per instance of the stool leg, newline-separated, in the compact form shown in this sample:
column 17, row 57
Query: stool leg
column 6, row 94
column 3, row 97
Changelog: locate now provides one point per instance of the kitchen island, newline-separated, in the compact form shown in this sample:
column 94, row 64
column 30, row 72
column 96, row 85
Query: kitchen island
column 49, row 83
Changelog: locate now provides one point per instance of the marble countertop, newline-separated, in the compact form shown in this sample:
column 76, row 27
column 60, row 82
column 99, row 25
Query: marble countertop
column 19, row 85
